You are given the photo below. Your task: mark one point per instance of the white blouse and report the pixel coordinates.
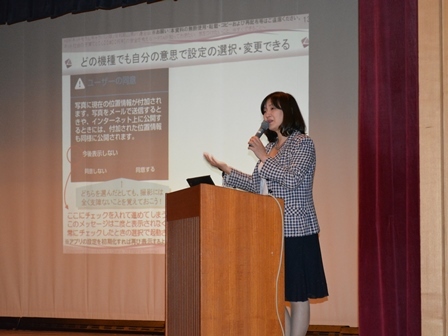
(263, 184)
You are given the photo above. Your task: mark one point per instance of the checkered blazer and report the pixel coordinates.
(289, 175)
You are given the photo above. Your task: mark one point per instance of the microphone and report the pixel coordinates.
(263, 128)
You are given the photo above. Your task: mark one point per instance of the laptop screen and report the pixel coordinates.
(193, 181)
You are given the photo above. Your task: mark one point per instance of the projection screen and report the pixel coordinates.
(127, 100)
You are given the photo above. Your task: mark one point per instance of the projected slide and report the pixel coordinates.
(140, 108)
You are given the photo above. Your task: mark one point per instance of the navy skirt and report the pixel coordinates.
(304, 270)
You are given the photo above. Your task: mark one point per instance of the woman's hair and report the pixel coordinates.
(292, 117)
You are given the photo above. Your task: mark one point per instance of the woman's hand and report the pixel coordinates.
(218, 164)
(256, 146)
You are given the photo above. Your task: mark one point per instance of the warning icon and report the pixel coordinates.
(79, 85)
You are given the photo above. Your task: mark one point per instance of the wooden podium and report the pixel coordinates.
(223, 257)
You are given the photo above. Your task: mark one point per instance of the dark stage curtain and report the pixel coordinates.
(389, 233)
(13, 11)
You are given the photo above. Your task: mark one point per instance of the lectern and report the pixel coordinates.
(224, 266)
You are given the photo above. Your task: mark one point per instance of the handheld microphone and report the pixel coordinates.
(263, 128)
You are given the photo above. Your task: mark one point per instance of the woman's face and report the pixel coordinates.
(273, 115)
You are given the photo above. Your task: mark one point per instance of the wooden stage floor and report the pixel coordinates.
(54, 333)
(313, 331)
(57, 333)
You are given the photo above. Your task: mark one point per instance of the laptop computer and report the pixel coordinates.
(193, 181)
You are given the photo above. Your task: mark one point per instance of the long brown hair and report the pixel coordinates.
(292, 117)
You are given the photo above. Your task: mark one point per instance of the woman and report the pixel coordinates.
(286, 170)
